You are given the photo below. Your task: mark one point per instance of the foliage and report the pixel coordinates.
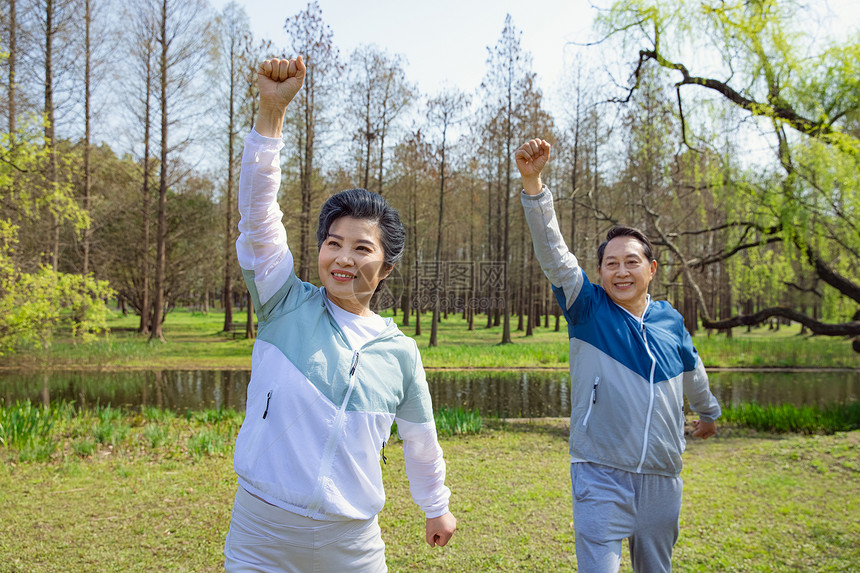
(34, 305)
(786, 418)
(798, 213)
(457, 421)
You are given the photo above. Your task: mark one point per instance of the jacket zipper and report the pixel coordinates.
(650, 398)
(592, 402)
(331, 444)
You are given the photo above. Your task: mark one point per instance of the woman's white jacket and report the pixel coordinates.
(318, 411)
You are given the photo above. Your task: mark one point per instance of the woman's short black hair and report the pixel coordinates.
(622, 231)
(364, 204)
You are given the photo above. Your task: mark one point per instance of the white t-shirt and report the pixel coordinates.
(358, 329)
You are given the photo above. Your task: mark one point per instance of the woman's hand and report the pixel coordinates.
(279, 81)
(440, 529)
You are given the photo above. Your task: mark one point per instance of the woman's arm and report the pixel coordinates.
(262, 244)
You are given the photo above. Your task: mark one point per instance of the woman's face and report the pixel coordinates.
(352, 263)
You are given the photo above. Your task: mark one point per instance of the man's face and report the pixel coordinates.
(625, 273)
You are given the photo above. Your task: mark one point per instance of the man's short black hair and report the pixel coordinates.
(622, 231)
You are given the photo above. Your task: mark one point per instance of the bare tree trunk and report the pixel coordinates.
(88, 178)
(434, 324)
(157, 332)
(145, 305)
(229, 249)
(50, 130)
(12, 61)
(307, 180)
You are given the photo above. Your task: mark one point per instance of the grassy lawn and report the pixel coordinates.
(157, 496)
(195, 341)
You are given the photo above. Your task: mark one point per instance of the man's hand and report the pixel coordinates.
(279, 82)
(531, 159)
(440, 529)
(704, 430)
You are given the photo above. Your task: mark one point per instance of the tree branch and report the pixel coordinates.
(816, 326)
(775, 110)
(831, 277)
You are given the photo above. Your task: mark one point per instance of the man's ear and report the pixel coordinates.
(653, 269)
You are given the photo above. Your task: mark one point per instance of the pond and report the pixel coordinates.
(526, 393)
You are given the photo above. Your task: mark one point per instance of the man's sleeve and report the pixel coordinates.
(558, 263)
(696, 387)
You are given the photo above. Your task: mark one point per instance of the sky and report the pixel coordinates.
(445, 42)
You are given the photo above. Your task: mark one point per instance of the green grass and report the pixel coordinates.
(787, 418)
(195, 341)
(457, 421)
(752, 501)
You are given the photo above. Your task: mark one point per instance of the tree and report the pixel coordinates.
(54, 17)
(806, 93)
(236, 57)
(378, 95)
(445, 111)
(33, 305)
(181, 34)
(141, 86)
(313, 39)
(503, 88)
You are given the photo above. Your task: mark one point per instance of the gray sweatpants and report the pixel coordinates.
(610, 505)
(267, 539)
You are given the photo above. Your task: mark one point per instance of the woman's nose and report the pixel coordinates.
(344, 259)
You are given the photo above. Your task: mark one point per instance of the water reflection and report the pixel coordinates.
(532, 393)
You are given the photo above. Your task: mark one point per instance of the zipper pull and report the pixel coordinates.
(384, 459)
(354, 363)
(268, 397)
(594, 390)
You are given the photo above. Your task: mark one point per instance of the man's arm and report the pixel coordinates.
(557, 262)
(531, 158)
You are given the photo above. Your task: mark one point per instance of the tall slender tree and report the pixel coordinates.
(312, 38)
(182, 30)
(235, 40)
(445, 111)
(503, 87)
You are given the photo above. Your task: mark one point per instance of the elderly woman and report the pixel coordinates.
(328, 376)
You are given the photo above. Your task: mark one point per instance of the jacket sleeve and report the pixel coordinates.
(558, 263)
(262, 250)
(696, 387)
(425, 466)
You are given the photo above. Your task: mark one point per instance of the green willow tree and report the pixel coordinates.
(761, 59)
(35, 304)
